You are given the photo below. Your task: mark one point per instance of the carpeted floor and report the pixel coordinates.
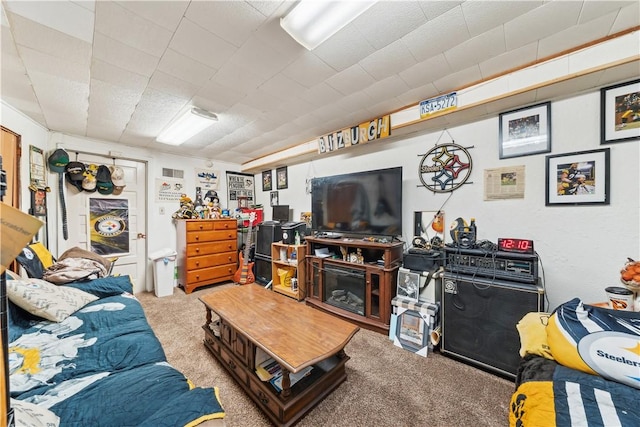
(386, 385)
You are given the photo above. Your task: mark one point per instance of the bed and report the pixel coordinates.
(84, 354)
(580, 367)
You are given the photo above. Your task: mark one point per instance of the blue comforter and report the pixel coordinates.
(103, 365)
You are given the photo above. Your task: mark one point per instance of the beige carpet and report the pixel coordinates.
(386, 385)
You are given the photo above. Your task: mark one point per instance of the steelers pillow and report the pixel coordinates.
(597, 341)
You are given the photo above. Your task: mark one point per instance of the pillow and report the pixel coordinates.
(597, 341)
(27, 414)
(47, 300)
(533, 334)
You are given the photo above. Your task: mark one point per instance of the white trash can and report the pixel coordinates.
(164, 262)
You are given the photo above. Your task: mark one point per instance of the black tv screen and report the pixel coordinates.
(280, 213)
(363, 203)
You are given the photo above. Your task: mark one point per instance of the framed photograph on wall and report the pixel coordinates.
(267, 183)
(580, 178)
(525, 131)
(281, 177)
(274, 198)
(620, 112)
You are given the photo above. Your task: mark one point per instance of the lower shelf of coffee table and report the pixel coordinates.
(282, 410)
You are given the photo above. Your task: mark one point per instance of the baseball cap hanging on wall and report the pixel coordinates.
(58, 161)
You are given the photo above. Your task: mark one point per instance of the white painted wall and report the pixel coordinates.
(581, 248)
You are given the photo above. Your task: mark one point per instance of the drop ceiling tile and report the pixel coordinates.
(480, 48)
(353, 102)
(541, 22)
(345, 48)
(628, 17)
(400, 17)
(387, 88)
(199, 44)
(273, 34)
(262, 100)
(124, 56)
(576, 35)
(456, 81)
(308, 70)
(283, 87)
(223, 95)
(180, 66)
(118, 23)
(110, 73)
(62, 16)
(509, 60)
(418, 94)
(437, 35)
(296, 106)
(233, 21)
(351, 80)
(66, 122)
(238, 78)
(172, 85)
(389, 60)
(41, 62)
(482, 16)
(596, 9)
(320, 94)
(112, 102)
(46, 40)
(103, 129)
(66, 96)
(256, 52)
(267, 7)
(426, 71)
(164, 13)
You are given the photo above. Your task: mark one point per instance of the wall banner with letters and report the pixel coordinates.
(360, 134)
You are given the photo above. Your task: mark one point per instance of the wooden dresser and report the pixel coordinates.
(207, 252)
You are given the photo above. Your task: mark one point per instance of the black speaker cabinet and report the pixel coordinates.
(479, 318)
(262, 269)
(268, 232)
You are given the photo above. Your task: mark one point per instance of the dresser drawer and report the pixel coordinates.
(210, 273)
(267, 399)
(211, 236)
(199, 225)
(213, 260)
(197, 249)
(231, 365)
(227, 224)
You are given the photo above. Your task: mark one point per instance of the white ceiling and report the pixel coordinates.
(120, 71)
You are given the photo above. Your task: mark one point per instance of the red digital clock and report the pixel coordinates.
(522, 246)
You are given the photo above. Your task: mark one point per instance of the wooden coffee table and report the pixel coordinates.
(245, 322)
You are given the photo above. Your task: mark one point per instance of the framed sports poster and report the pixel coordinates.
(240, 186)
(620, 112)
(109, 226)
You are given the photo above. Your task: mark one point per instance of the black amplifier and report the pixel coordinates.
(493, 264)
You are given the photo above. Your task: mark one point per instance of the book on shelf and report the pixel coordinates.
(276, 381)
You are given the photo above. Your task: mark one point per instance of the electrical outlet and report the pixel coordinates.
(161, 210)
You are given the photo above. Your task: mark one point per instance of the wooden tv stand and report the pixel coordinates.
(246, 321)
(373, 281)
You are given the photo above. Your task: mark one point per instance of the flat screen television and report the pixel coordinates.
(363, 203)
(280, 213)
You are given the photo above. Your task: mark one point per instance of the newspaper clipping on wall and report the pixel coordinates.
(504, 183)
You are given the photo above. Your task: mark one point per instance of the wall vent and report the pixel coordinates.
(172, 173)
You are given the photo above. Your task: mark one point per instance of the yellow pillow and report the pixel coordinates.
(533, 334)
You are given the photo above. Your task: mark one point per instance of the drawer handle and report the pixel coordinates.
(200, 226)
(263, 398)
(197, 249)
(197, 237)
(197, 263)
(197, 276)
(231, 364)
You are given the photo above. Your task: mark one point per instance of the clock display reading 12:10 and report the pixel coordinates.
(522, 246)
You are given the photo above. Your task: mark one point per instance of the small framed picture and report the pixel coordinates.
(580, 178)
(267, 184)
(412, 331)
(408, 284)
(525, 131)
(620, 112)
(274, 198)
(281, 177)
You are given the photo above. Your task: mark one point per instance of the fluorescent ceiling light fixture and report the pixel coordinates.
(311, 22)
(193, 121)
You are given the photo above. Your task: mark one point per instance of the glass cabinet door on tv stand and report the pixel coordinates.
(354, 279)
